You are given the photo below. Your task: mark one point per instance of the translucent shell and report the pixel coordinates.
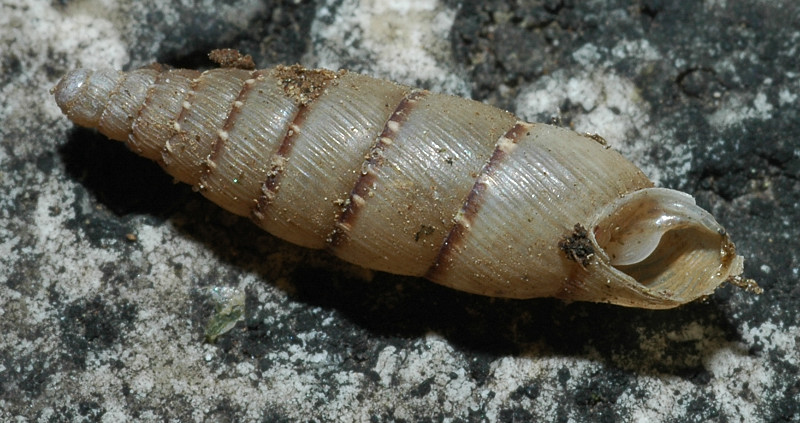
(662, 240)
(416, 183)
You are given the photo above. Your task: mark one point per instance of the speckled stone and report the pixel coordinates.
(107, 268)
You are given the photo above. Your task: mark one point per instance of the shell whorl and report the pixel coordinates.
(412, 182)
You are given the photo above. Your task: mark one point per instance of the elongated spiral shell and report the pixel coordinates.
(415, 183)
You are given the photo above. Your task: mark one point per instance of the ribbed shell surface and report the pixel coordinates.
(382, 175)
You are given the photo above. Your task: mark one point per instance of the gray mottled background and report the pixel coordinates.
(106, 267)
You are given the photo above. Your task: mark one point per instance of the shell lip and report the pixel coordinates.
(657, 246)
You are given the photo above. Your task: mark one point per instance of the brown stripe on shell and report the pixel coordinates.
(115, 92)
(304, 86)
(145, 140)
(166, 151)
(472, 205)
(125, 106)
(269, 189)
(210, 164)
(374, 160)
(132, 142)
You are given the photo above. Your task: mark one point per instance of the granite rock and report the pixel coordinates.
(108, 270)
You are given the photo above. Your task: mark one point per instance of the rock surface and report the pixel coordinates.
(109, 272)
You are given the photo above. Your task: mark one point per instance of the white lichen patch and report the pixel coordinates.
(386, 365)
(738, 380)
(611, 108)
(595, 92)
(77, 272)
(786, 97)
(775, 337)
(611, 105)
(89, 25)
(406, 41)
(90, 31)
(171, 360)
(737, 108)
(510, 373)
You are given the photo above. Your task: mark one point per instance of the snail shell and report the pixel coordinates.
(415, 183)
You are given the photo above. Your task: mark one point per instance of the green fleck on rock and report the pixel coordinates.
(228, 309)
